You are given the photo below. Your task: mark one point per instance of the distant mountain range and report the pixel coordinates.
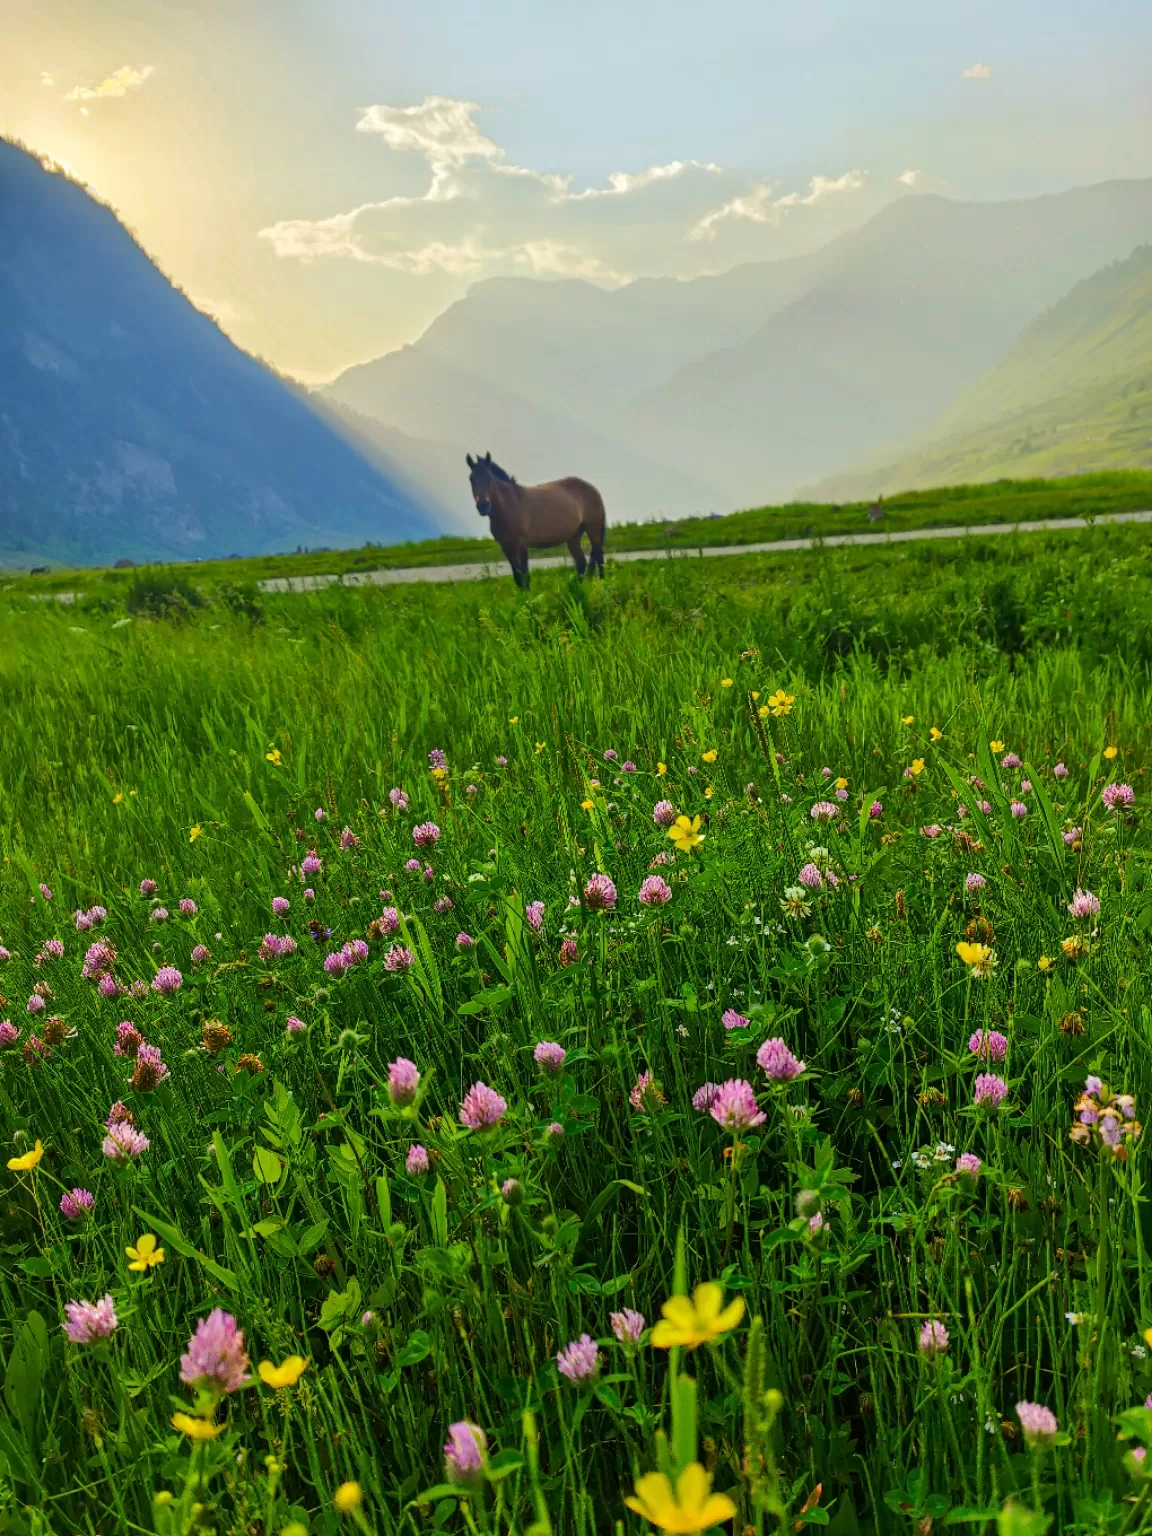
(940, 341)
(130, 426)
(740, 388)
(1073, 393)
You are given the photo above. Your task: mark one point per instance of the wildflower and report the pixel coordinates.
(167, 980)
(549, 1055)
(1117, 796)
(979, 958)
(286, 1374)
(734, 1106)
(194, 832)
(725, 682)
(295, 1026)
(733, 1020)
(989, 1045)
(968, 1163)
(119, 1114)
(699, 1321)
(98, 959)
(1109, 753)
(645, 1094)
(501, 762)
(688, 1506)
(465, 942)
(200, 953)
(90, 1321)
(273, 756)
(188, 907)
(403, 1081)
(811, 878)
(51, 949)
(555, 1131)
(444, 904)
(149, 1071)
(777, 1062)
(76, 1203)
(146, 1255)
(250, 1064)
(875, 810)
(1025, 786)
(932, 832)
(216, 1357)
(824, 811)
(973, 883)
(794, 903)
(1039, 1425)
(195, 1427)
(686, 833)
(426, 835)
(348, 840)
(704, 1097)
(654, 892)
(417, 1161)
(1018, 809)
(580, 1360)
(1110, 1117)
(216, 1037)
(512, 1192)
(661, 770)
(1083, 904)
(483, 1108)
(1010, 760)
(27, 1160)
(569, 954)
(124, 1142)
(1060, 771)
(708, 757)
(464, 1452)
(989, 1091)
(35, 1003)
(780, 703)
(399, 959)
(587, 805)
(600, 894)
(347, 1499)
(534, 915)
(915, 768)
(311, 864)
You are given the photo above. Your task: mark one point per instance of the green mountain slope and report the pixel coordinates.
(1073, 394)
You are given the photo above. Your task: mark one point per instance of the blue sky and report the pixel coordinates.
(240, 139)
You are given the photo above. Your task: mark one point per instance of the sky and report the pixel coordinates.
(326, 176)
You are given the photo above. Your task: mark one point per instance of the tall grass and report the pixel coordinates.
(195, 750)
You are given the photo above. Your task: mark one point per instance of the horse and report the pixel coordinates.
(524, 517)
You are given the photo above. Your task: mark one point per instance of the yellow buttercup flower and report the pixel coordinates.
(287, 1374)
(513, 719)
(907, 719)
(763, 711)
(117, 797)
(540, 745)
(586, 805)
(661, 769)
(194, 832)
(841, 783)
(755, 694)
(686, 834)
(725, 682)
(709, 756)
(195, 1428)
(1110, 752)
(708, 792)
(1045, 963)
(917, 767)
(699, 1321)
(690, 1506)
(273, 756)
(347, 1499)
(997, 746)
(145, 1255)
(780, 703)
(972, 954)
(29, 1160)
(935, 733)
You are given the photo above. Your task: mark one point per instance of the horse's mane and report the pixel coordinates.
(502, 474)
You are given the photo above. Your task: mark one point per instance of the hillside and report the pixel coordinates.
(131, 426)
(1074, 390)
(919, 304)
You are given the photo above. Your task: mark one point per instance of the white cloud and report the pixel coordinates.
(978, 72)
(479, 213)
(223, 311)
(757, 205)
(46, 78)
(909, 178)
(118, 83)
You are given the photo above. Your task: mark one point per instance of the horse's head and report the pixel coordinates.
(483, 476)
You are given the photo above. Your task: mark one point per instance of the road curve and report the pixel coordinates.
(403, 576)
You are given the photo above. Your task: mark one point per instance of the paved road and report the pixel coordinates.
(402, 576)
(405, 576)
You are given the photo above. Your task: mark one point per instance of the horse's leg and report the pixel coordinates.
(577, 550)
(524, 568)
(512, 555)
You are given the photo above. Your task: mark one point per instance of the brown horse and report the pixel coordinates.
(524, 517)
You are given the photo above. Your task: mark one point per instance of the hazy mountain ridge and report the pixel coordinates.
(1073, 391)
(130, 424)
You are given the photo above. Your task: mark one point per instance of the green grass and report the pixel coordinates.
(960, 505)
(281, 1194)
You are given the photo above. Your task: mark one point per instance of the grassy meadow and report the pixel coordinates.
(790, 913)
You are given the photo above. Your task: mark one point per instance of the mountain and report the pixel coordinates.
(420, 394)
(131, 426)
(1073, 392)
(907, 312)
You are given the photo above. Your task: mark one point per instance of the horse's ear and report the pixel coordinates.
(488, 456)
(471, 462)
